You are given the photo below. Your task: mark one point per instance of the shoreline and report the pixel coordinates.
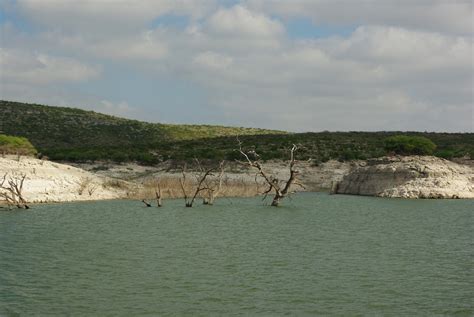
(390, 177)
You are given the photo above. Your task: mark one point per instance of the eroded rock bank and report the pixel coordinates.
(409, 177)
(405, 177)
(47, 181)
(316, 177)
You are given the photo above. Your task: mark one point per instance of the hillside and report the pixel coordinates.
(59, 127)
(67, 134)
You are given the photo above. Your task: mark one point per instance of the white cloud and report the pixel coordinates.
(37, 68)
(393, 45)
(339, 83)
(454, 16)
(107, 16)
(408, 75)
(212, 60)
(239, 21)
(141, 46)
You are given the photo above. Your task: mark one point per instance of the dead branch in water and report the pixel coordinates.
(159, 202)
(11, 190)
(281, 189)
(201, 178)
(213, 183)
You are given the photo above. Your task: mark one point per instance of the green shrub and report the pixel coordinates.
(16, 145)
(446, 154)
(409, 145)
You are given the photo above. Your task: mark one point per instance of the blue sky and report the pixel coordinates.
(294, 65)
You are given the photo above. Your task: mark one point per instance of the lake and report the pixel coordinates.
(315, 255)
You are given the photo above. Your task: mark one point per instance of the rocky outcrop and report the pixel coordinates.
(409, 177)
(47, 181)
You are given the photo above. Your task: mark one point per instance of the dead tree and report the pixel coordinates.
(201, 178)
(157, 194)
(216, 186)
(11, 190)
(213, 185)
(159, 202)
(281, 189)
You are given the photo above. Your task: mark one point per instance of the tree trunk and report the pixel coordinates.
(158, 198)
(273, 183)
(211, 200)
(276, 200)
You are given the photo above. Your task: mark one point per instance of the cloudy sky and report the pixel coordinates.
(299, 65)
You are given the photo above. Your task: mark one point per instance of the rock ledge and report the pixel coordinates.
(409, 177)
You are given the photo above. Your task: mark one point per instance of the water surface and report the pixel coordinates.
(316, 255)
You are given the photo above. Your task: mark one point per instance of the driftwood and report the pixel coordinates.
(281, 189)
(11, 190)
(147, 204)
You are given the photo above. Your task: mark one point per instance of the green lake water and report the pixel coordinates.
(317, 255)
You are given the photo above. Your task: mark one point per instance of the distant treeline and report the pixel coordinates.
(320, 147)
(68, 134)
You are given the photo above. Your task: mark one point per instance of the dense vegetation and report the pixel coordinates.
(409, 145)
(77, 135)
(320, 147)
(16, 145)
(58, 127)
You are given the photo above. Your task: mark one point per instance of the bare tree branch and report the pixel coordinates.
(214, 185)
(11, 190)
(273, 183)
(146, 203)
(182, 182)
(201, 181)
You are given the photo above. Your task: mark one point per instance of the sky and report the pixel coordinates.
(299, 65)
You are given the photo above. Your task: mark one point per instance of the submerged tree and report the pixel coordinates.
(201, 179)
(11, 190)
(280, 188)
(213, 183)
(159, 202)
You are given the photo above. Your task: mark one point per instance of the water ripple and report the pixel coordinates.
(318, 255)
